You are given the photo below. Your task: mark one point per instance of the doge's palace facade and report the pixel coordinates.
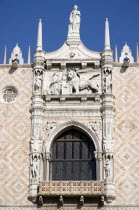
(69, 136)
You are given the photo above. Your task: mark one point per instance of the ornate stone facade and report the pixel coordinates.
(72, 87)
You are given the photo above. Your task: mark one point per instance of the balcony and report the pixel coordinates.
(71, 188)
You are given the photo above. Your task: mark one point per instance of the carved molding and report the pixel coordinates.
(49, 126)
(96, 126)
(72, 114)
(36, 138)
(63, 126)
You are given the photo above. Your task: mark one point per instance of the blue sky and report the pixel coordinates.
(19, 21)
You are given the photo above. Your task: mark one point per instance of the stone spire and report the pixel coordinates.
(107, 36)
(137, 53)
(28, 55)
(39, 39)
(116, 54)
(4, 58)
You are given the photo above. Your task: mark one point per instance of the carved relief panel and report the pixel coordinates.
(72, 81)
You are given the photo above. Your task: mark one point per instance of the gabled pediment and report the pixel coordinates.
(73, 52)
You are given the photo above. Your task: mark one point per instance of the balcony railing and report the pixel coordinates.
(85, 188)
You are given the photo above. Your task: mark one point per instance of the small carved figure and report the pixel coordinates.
(38, 81)
(35, 167)
(75, 20)
(107, 82)
(54, 86)
(107, 169)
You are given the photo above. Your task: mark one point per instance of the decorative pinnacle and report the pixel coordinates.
(28, 55)
(116, 54)
(4, 59)
(107, 35)
(39, 39)
(137, 53)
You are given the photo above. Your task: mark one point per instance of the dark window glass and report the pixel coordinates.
(68, 150)
(73, 157)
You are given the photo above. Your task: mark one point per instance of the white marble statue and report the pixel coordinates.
(35, 167)
(54, 86)
(38, 81)
(107, 169)
(107, 82)
(75, 20)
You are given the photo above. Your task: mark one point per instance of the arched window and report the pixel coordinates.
(73, 157)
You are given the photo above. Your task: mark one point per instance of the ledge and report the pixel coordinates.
(80, 97)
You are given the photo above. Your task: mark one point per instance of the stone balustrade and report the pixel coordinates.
(85, 188)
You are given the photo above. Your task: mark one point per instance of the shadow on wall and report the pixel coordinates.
(12, 70)
(123, 69)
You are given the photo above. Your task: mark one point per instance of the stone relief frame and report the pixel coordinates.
(62, 127)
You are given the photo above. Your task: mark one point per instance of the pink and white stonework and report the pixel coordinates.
(77, 89)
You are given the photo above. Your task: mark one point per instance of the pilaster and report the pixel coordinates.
(108, 126)
(36, 157)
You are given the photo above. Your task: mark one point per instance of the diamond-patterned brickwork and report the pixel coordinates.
(126, 90)
(15, 137)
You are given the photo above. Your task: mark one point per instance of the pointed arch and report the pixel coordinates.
(73, 124)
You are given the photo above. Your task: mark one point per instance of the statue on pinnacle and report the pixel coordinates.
(75, 19)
